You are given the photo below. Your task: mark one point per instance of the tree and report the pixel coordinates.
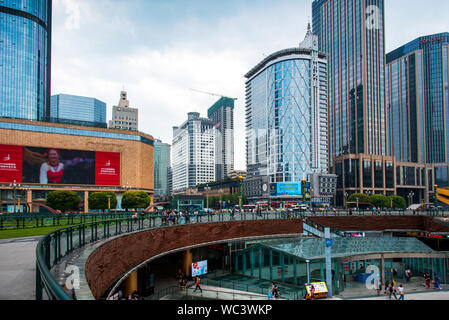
(397, 201)
(135, 200)
(63, 200)
(99, 200)
(361, 197)
(379, 201)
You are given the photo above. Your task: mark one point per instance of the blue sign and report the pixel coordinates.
(329, 242)
(285, 189)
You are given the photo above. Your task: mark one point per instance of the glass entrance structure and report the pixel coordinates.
(303, 260)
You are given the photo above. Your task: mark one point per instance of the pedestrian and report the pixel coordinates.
(312, 293)
(427, 279)
(436, 282)
(387, 286)
(392, 291)
(198, 284)
(276, 292)
(401, 292)
(270, 293)
(379, 286)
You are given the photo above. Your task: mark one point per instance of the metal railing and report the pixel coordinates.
(58, 244)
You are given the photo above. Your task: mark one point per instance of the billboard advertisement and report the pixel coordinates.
(199, 268)
(285, 189)
(58, 166)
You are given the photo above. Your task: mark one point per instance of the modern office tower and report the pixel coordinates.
(351, 33)
(418, 100)
(222, 114)
(78, 110)
(25, 59)
(418, 112)
(124, 117)
(286, 114)
(161, 168)
(193, 153)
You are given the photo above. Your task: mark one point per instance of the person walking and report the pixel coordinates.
(401, 292)
(198, 284)
(392, 291)
(379, 286)
(387, 286)
(436, 282)
(428, 279)
(312, 293)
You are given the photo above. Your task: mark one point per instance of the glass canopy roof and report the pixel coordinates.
(314, 248)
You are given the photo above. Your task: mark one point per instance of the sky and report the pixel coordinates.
(158, 51)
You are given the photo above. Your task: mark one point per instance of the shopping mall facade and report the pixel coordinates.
(94, 159)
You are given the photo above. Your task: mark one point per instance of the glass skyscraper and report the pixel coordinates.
(161, 168)
(25, 55)
(286, 114)
(78, 110)
(418, 100)
(222, 114)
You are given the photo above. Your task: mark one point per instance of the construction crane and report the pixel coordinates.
(213, 94)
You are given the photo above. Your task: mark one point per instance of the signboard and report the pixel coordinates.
(199, 268)
(58, 166)
(321, 290)
(285, 189)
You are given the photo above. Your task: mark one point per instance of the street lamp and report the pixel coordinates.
(206, 189)
(435, 195)
(109, 202)
(346, 199)
(241, 193)
(14, 186)
(410, 196)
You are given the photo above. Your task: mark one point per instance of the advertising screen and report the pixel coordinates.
(199, 268)
(58, 166)
(285, 189)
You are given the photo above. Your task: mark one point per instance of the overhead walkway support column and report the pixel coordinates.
(131, 283)
(187, 262)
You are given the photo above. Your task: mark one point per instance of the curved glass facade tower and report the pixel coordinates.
(25, 55)
(286, 116)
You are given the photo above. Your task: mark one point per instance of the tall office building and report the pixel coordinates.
(222, 114)
(362, 125)
(78, 110)
(193, 153)
(124, 117)
(25, 59)
(418, 112)
(418, 100)
(351, 33)
(286, 114)
(161, 168)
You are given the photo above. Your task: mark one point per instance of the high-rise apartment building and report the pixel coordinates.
(222, 114)
(25, 58)
(286, 114)
(78, 110)
(161, 168)
(193, 153)
(124, 117)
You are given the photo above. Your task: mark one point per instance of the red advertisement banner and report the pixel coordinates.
(107, 169)
(11, 160)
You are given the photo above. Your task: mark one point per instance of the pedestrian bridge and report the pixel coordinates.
(108, 251)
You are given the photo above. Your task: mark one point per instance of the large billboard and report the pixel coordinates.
(58, 166)
(285, 189)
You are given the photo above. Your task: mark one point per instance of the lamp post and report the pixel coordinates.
(14, 186)
(410, 196)
(206, 189)
(346, 199)
(240, 193)
(435, 195)
(109, 202)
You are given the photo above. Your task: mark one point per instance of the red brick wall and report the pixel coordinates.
(115, 257)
